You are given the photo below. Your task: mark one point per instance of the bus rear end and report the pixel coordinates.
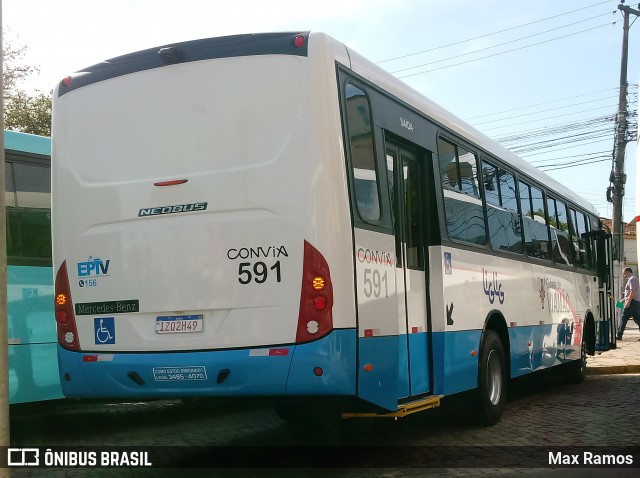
(189, 252)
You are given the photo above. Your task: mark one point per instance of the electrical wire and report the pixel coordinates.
(541, 104)
(506, 51)
(499, 44)
(492, 33)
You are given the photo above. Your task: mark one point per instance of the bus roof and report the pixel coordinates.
(27, 143)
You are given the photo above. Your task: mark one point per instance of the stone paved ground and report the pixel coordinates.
(544, 414)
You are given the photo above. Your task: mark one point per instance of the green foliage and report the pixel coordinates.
(26, 112)
(29, 114)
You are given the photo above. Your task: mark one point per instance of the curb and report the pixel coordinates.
(613, 369)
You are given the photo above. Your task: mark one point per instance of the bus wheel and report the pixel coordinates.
(492, 381)
(576, 371)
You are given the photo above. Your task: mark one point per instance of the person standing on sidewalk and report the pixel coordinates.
(631, 302)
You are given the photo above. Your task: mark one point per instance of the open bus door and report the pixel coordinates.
(606, 322)
(393, 351)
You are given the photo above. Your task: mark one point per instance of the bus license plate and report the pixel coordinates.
(178, 324)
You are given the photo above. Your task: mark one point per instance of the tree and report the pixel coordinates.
(29, 113)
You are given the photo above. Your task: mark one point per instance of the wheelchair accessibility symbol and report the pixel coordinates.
(105, 329)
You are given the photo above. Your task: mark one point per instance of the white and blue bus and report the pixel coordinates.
(273, 215)
(33, 364)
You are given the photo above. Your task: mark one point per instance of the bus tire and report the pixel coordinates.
(491, 395)
(576, 371)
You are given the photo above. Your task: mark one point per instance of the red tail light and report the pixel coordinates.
(315, 319)
(65, 317)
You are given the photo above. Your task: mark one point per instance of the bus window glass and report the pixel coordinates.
(463, 207)
(563, 237)
(580, 245)
(505, 233)
(553, 228)
(536, 234)
(490, 181)
(468, 172)
(29, 224)
(508, 194)
(33, 185)
(362, 154)
(413, 211)
(447, 155)
(10, 192)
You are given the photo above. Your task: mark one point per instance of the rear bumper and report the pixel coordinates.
(269, 371)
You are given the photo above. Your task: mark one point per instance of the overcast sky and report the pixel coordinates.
(487, 61)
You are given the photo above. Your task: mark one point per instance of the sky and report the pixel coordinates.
(541, 77)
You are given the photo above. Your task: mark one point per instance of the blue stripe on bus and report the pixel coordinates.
(458, 370)
(335, 355)
(378, 370)
(413, 380)
(419, 363)
(290, 370)
(539, 347)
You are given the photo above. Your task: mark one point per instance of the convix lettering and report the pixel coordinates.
(375, 257)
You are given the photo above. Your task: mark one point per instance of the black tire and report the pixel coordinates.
(576, 372)
(491, 396)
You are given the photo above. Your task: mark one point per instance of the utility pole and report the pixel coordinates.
(618, 177)
(4, 319)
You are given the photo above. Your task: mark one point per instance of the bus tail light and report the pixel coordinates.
(65, 318)
(315, 318)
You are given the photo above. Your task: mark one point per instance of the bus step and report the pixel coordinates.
(403, 409)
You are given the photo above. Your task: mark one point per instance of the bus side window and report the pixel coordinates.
(505, 232)
(363, 161)
(462, 202)
(536, 234)
(563, 234)
(29, 222)
(580, 245)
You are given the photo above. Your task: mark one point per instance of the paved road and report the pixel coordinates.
(543, 416)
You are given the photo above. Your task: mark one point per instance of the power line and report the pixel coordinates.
(547, 110)
(575, 165)
(498, 45)
(555, 130)
(506, 51)
(548, 118)
(559, 149)
(569, 157)
(491, 34)
(539, 104)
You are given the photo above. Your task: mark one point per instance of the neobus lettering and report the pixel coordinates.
(257, 252)
(155, 211)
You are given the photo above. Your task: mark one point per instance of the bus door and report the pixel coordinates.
(606, 323)
(406, 186)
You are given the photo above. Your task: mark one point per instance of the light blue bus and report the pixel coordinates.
(33, 364)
